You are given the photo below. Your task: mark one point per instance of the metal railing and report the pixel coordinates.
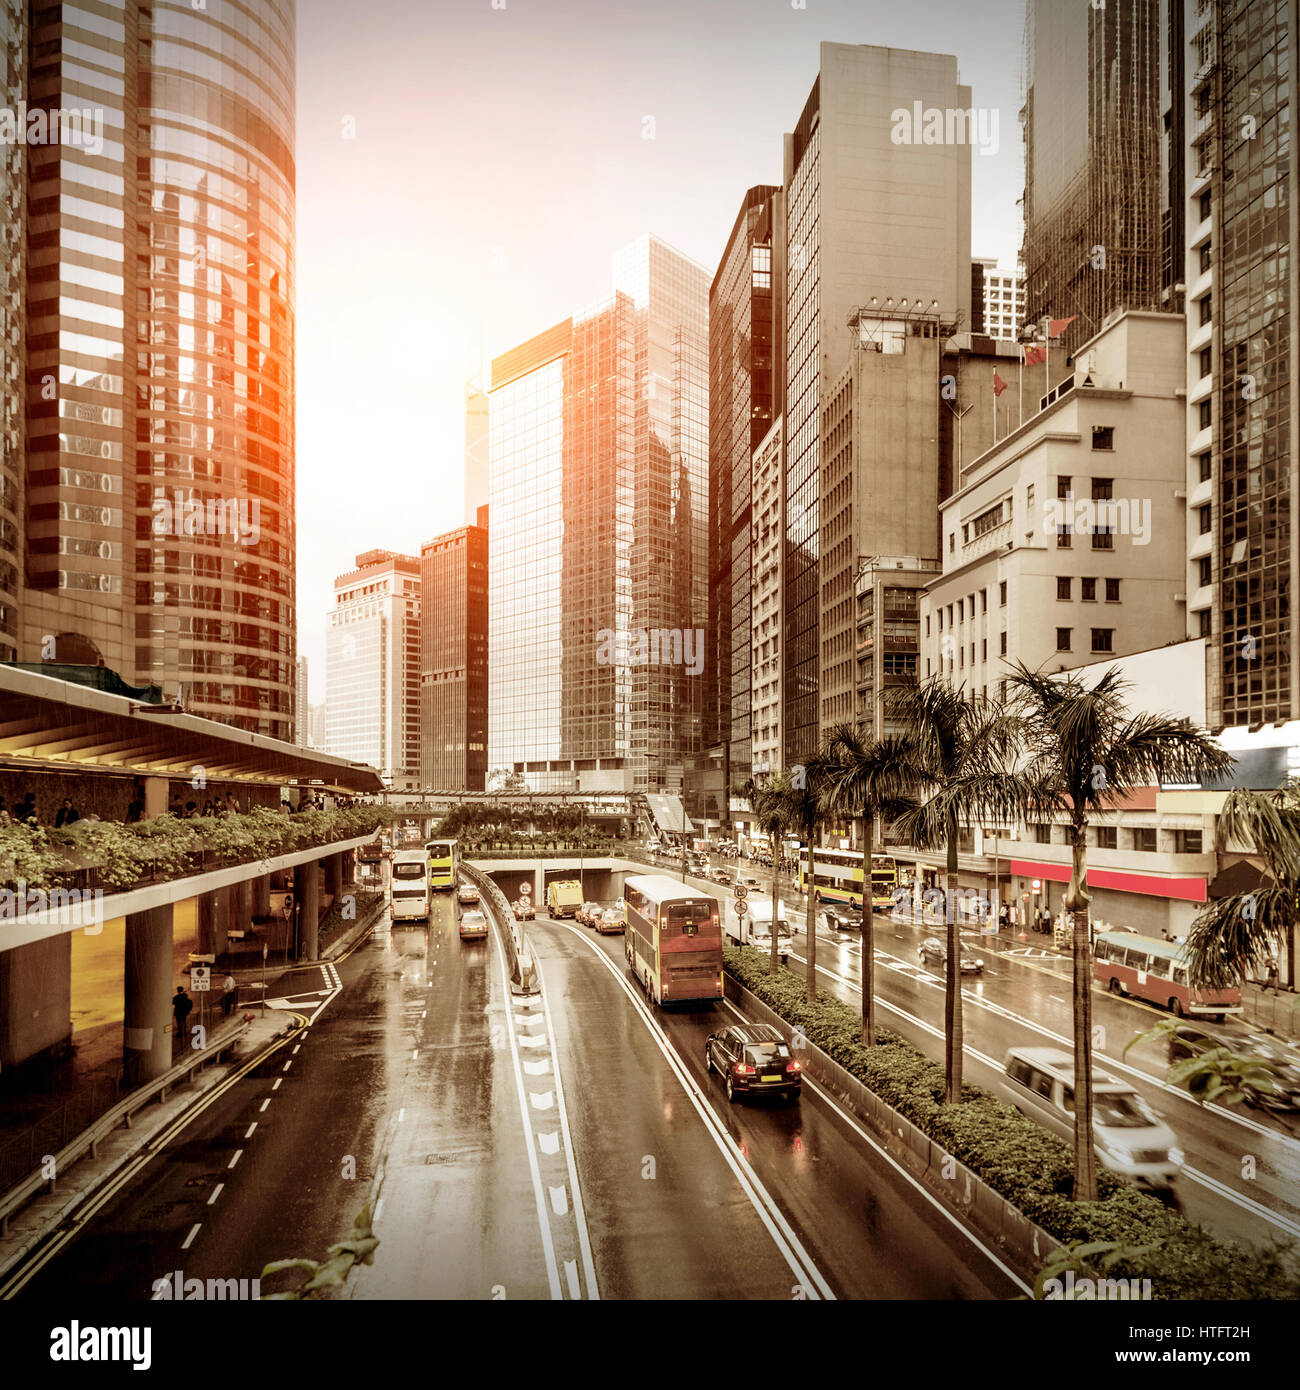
(519, 956)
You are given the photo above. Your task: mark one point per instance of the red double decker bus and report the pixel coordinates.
(1156, 970)
(673, 941)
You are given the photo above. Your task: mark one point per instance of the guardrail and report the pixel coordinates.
(121, 1114)
(523, 972)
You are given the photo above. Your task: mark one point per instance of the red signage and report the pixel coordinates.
(1187, 889)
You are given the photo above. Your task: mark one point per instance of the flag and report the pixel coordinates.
(1034, 355)
(998, 385)
(1058, 326)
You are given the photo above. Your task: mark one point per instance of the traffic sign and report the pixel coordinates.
(740, 891)
(201, 978)
(525, 889)
(288, 902)
(741, 906)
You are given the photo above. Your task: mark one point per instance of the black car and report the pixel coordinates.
(934, 952)
(1189, 1041)
(754, 1060)
(842, 917)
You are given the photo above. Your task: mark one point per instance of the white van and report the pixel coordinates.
(1131, 1139)
(754, 928)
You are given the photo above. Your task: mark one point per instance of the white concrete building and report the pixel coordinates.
(765, 624)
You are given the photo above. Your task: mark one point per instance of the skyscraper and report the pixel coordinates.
(302, 709)
(743, 352)
(871, 209)
(159, 506)
(598, 572)
(453, 659)
(372, 666)
(1092, 151)
(13, 178)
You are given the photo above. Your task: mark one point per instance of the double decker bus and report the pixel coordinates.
(408, 887)
(1145, 968)
(839, 877)
(444, 864)
(673, 941)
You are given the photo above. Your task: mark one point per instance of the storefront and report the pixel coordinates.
(1151, 904)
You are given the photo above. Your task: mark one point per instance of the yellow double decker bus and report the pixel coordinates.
(839, 877)
(444, 864)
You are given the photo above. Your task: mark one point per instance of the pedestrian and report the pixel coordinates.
(1271, 975)
(191, 810)
(26, 810)
(135, 807)
(176, 808)
(181, 1006)
(67, 814)
(228, 995)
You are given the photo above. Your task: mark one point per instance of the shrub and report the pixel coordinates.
(1028, 1166)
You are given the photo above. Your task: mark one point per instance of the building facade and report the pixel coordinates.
(301, 706)
(853, 160)
(743, 351)
(767, 511)
(598, 570)
(888, 592)
(1003, 299)
(13, 254)
(372, 666)
(454, 659)
(159, 489)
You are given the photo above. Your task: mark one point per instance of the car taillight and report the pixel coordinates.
(795, 1066)
(743, 1069)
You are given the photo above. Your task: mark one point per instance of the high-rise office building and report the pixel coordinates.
(454, 659)
(856, 157)
(13, 250)
(158, 509)
(476, 449)
(598, 572)
(1091, 123)
(1239, 272)
(301, 707)
(743, 353)
(1002, 301)
(372, 666)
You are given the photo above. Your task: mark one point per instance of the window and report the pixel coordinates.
(1029, 499)
(1205, 623)
(1103, 539)
(1063, 486)
(961, 610)
(1203, 517)
(1063, 586)
(941, 620)
(1089, 587)
(952, 542)
(1206, 417)
(1062, 639)
(1102, 639)
(1205, 204)
(1112, 591)
(1042, 834)
(1207, 361)
(965, 533)
(1206, 466)
(984, 600)
(984, 648)
(1002, 645)
(1063, 538)
(1187, 842)
(1103, 437)
(927, 623)
(1002, 594)
(1144, 839)
(1203, 571)
(1206, 316)
(1107, 837)
(972, 653)
(987, 520)
(1207, 257)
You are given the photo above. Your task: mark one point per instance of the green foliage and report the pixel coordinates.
(26, 855)
(1215, 1072)
(357, 1247)
(1033, 1169)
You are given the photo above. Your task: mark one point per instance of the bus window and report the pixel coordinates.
(1180, 974)
(1136, 959)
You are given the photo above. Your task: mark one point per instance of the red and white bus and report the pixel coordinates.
(673, 941)
(1156, 970)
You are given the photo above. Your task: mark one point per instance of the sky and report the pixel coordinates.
(465, 171)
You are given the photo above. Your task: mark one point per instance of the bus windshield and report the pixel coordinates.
(692, 919)
(408, 870)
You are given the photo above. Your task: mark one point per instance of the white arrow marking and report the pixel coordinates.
(539, 1068)
(559, 1200)
(544, 1101)
(533, 1042)
(549, 1142)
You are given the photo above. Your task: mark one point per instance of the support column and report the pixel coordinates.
(36, 1000)
(147, 1013)
(155, 797)
(241, 906)
(261, 896)
(349, 866)
(334, 874)
(306, 892)
(214, 921)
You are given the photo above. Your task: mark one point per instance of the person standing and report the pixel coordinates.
(181, 1006)
(1271, 977)
(228, 991)
(67, 814)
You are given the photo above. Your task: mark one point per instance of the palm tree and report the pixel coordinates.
(865, 779)
(769, 800)
(1239, 931)
(808, 814)
(1087, 754)
(957, 749)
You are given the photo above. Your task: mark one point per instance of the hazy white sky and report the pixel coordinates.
(496, 159)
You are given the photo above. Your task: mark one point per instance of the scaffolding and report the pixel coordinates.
(1096, 246)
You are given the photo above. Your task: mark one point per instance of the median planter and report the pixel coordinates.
(1011, 1178)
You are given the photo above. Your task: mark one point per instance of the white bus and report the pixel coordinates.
(409, 885)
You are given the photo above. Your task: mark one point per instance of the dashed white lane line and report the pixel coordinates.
(571, 1274)
(288, 1064)
(248, 1133)
(216, 1192)
(235, 1157)
(415, 1054)
(296, 1047)
(401, 1115)
(263, 1105)
(194, 1230)
(559, 1200)
(548, 1142)
(275, 1085)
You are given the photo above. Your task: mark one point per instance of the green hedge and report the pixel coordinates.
(1025, 1164)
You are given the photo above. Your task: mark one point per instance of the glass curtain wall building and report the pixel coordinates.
(13, 178)
(598, 547)
(160, 486)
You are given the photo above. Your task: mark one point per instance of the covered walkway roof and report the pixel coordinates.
(50, 725)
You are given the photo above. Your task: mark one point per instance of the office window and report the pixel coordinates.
(1205, 312)
(1042, 833)
(1206, 623)
(1063, 485)
(1205, 415)
(1102, 639)
(941, 620)
(927, 623)
(1144, 838)
(1206, 466)
(972, 653)
(1112, 591)
(1203, 518)
(1063, 586)
(984, 649)
(961, 610)
(1207, 361)
(1063, 538)
(952, 542)
(984, 600)
(1187, 842)
(1089, 590)
(1002, 686)
(1203, 571)
(1029, 499)
(965, 533)
(1002, 646)
(1207, 256)
(1103, 437)
(1107, 837)
(951, 624)
(1002, 594)
(1205, 204)
(1062, 639)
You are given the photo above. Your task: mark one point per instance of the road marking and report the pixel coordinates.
(544, 1101)
(401, 1115)
(216, 1192)
(275, 1085)
(248, 1133)
(379, 1206)
(559, 1200)
(194, 1230)
(538, 1068)
(263, 1105)
(549, 1142)
(296, 1048)
(571, 1274)
(235, 1158)
(288, 1064)
(1248, 1202)
(538, 1040)
(415, 1054)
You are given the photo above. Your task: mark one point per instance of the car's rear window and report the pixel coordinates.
(763, 1054)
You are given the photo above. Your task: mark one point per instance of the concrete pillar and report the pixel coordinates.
(306, 893)
(241, 905)
(334, 874)
(35, 999)
(147, 1013)
(214, 921)
(262, 896)
(155, 797)
(349, 866)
